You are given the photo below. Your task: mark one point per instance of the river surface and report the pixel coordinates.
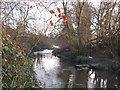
(53, 72)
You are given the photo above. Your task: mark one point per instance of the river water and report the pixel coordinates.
(53, 72)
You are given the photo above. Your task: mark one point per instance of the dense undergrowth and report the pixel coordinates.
(17, 67)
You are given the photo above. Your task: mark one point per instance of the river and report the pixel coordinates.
(53, 72)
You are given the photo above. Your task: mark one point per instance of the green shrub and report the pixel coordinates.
(82, 59)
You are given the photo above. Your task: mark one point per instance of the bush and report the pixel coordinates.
(82, 59)
(17, 69)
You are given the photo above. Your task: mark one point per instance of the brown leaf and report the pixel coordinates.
(58, 9)
(51, 11)
(51, 23)
(30, 7)
(64, 19)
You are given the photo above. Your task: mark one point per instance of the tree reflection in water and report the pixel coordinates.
(93, 81)
(47, 71)
(53, 72)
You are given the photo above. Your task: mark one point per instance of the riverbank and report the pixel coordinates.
(62, 74)
(105, 63)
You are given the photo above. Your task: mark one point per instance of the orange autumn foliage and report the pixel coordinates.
(30, 7)
(51, 23)
(58, 9)
(51, 11)
(59, 15)
(64, 19)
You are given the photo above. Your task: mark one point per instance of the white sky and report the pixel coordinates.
(43, 15)
(46, 15)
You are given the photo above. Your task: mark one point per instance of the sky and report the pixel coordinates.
(42, 15)
(47, 16)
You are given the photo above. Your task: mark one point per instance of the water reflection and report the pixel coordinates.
(71, 80)
(52, 72)
(47, 69)
(93, 81)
